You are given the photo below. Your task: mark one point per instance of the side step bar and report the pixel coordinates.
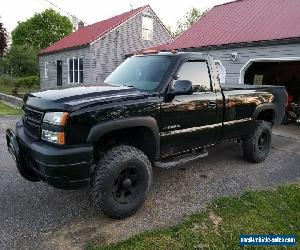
(181, 160)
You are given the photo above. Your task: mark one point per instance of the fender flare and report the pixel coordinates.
(101, 129)
(262, 107)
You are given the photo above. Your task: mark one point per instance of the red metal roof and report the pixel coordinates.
(91, 32)
(242, 21)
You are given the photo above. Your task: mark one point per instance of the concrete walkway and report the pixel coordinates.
(289, 131)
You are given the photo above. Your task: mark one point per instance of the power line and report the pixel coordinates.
(74, 18)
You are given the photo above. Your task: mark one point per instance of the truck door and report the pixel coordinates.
(190, 121)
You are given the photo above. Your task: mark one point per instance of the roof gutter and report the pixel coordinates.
(244, 44)
(64, 49)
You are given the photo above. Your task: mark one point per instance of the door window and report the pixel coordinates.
(196, 72)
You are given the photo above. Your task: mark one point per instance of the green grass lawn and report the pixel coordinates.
(7, 110)
(220, 225)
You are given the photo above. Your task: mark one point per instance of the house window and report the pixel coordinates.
(75, 70)
(147, 28)
(46, 69)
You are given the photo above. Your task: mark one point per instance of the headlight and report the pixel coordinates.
(54, 137)
(56, 118)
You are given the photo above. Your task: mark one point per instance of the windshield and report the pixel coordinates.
(141, 72)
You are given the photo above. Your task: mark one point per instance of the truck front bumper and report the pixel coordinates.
(61, 167)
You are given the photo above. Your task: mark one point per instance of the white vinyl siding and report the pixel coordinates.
(246, 53)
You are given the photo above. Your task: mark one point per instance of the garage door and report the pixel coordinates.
(276, 73)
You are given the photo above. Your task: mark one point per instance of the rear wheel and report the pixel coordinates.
(257, 145)
(121, 181)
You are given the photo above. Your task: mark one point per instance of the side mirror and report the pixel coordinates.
(182, 87)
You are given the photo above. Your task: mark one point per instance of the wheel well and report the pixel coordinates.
(140, 137)
(267, 115)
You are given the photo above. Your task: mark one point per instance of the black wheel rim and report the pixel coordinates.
(127, 185)
(263, 142)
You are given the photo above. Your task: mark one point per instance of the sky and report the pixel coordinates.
(91, 11)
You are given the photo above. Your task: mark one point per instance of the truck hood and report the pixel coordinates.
(76, 97)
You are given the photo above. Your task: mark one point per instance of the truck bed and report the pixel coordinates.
(279, 93)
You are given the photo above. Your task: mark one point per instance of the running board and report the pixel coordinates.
(181, 160)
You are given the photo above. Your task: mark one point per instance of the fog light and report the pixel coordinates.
(54, 137)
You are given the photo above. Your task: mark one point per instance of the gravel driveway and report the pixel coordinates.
(37, 216)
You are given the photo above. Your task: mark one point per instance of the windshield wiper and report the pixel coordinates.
(121, 85)
(128, 85)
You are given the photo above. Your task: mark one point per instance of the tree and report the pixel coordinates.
(3, 40)
(21, 60)
(42, 29)
(189, 18)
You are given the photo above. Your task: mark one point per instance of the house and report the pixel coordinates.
(252, 41)
(91, 53)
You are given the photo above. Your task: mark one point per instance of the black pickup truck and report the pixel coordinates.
(154, 110)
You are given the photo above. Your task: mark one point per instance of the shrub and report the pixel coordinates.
(29, 82)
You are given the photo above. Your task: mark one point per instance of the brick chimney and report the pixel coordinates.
(80, 25)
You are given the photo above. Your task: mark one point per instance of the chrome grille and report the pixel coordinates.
(32, 120)
(33, 115)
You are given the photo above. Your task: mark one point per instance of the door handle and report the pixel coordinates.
(211, 104)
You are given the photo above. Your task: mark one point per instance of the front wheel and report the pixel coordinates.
(257, 144)
(121, 181)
